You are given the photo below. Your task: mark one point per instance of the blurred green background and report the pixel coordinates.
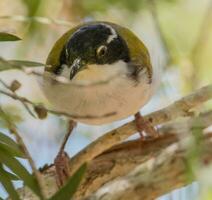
(176, 32)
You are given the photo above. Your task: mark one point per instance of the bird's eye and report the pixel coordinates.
(101, 51)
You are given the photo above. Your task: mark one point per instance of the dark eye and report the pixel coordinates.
(101, 51)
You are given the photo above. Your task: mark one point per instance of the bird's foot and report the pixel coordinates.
(144, 126)
(61, 164)
(61, 161)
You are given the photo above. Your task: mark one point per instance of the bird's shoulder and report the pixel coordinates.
(53, 59)
(139, 55)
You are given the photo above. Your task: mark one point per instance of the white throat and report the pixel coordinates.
(96, 73)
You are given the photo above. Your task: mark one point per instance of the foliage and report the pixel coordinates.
(6, 182)
(67, 192)
(9, 150)
(17, 64)
(5, 37)
(13, 113)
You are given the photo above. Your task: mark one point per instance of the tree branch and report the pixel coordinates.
(25, 100)
(148, 156)
(123, 158)
(12, 128)
(179, 108)
(155, 177)
(24, 103)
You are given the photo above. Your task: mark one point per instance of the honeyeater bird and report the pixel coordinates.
(107, 69)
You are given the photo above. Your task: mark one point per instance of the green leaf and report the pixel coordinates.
(5, 37)
(10, 146)
(7, 184)
(11, 176)
(67, 191)
(5, 65)
(26, 63)
(17, 64)
(12, 151)
(17, 168)
(7, 140)
(11, 113)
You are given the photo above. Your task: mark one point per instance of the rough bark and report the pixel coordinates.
(139, 167)
(180, 108)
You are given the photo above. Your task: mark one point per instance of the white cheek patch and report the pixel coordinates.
(65, 71)
(113, 34)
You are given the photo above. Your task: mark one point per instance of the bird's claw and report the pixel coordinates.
(145, 126)
(61, 163)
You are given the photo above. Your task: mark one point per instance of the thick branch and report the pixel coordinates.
(155, 177)
(123, 158)
(179, 108)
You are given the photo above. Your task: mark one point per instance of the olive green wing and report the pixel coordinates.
(53, 59)
(138, 51)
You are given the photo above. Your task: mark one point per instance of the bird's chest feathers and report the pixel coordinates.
(121, 95)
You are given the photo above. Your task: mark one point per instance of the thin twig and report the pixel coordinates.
(38, 19)
(13, 129)
(24, 104)
(23, 99)
(9, 65)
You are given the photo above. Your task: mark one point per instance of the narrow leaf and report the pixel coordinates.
(11, 176)
(7, 140)
(4, 37)
(67, 192)
(17, 168)
(8, 144)
(26, 63)
(7, 184)
(12, 151)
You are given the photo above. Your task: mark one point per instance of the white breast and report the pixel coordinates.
(113, 91)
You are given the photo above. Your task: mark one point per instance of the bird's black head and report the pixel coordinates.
(93, 44)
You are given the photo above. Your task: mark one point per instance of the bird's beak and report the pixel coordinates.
(76, 67)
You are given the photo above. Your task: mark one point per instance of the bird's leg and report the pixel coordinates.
(145, 126)
(61, 161)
